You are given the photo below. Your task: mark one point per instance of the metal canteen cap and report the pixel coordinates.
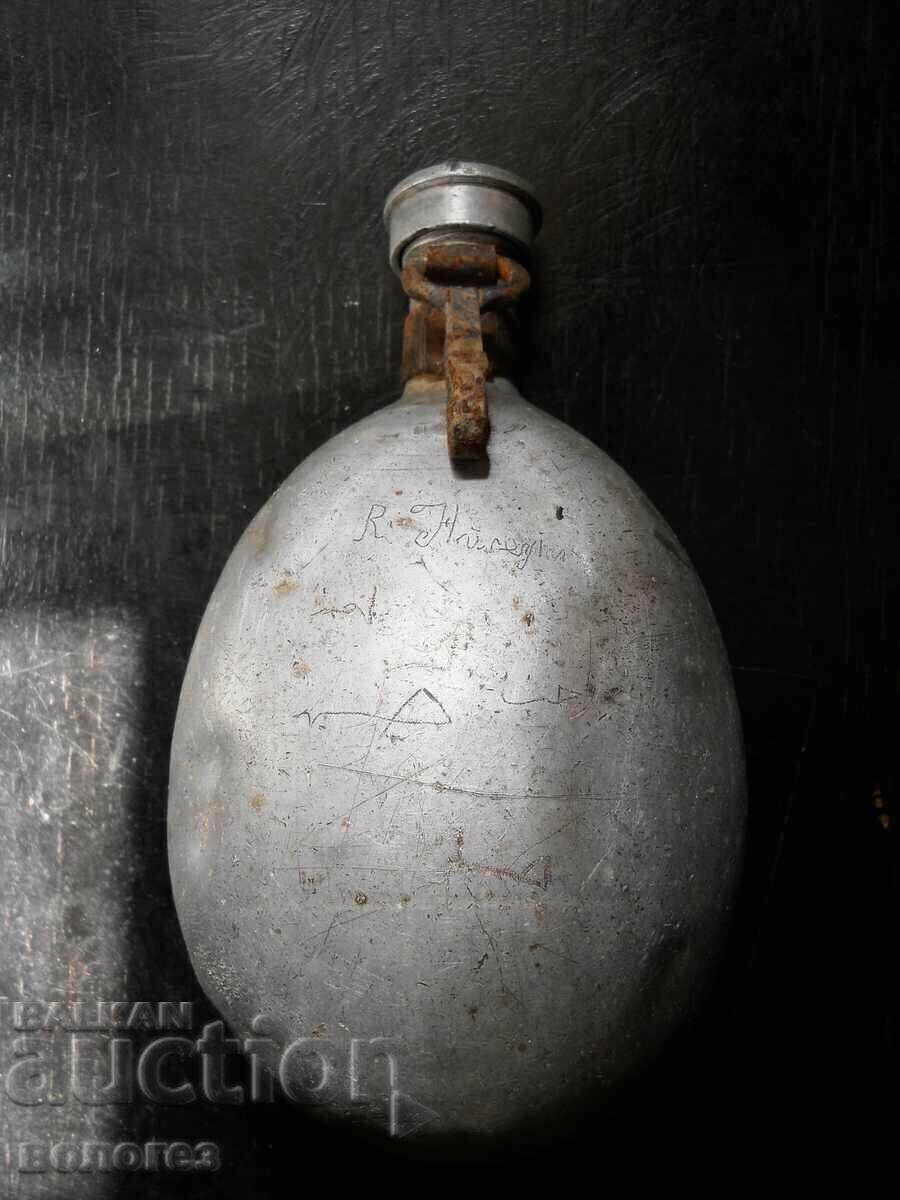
(461, 198)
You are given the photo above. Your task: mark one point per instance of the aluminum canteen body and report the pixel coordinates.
(457, 786)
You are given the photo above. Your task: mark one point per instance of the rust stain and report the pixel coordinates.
(259, 536)
(257, 801)
(208, 819)
(286, 585)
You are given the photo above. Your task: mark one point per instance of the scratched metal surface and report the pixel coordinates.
(193, 295)
(458, 769)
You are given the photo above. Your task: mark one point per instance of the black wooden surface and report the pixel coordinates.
(194, 294)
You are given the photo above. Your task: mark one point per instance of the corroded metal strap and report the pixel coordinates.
(462, 280)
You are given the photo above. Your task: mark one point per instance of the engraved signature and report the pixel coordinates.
(441, 522)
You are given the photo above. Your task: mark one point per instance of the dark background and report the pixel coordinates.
(194, 294)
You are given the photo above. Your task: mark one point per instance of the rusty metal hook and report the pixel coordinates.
(466, 279)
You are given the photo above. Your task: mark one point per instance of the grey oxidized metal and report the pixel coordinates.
(457, 781)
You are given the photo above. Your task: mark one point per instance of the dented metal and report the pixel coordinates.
(457, 790)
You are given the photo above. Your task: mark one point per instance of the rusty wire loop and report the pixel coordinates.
(466, 280)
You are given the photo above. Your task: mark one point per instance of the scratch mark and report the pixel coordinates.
(459, 864)
(490, 942)
(554, 834)
(562, 696)
(396, 781)
(420, 562)
(437, 786)
(368, 615)
(396, 719)
(11, 673)
(596, 867)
